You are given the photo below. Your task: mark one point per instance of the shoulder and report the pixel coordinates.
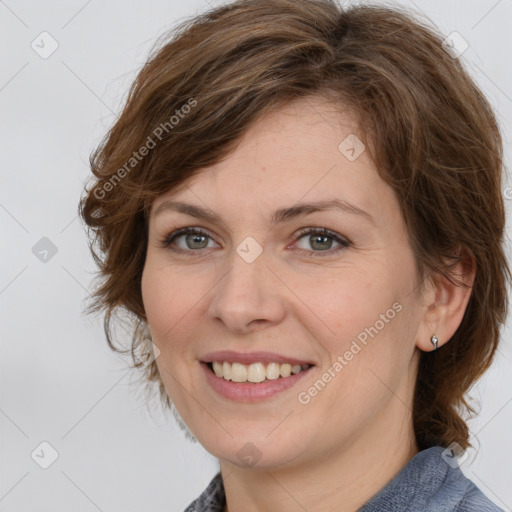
(431, 481)
(454, 492)
(474, 500)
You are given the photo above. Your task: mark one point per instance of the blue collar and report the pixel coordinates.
(430, 482)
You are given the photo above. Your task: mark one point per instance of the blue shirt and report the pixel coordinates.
(427, 483)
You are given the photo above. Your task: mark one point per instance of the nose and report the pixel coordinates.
(248, 297)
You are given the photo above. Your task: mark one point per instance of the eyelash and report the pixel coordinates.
(344, 243)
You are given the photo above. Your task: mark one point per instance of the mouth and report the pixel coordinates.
(250, 377)
(255, 372)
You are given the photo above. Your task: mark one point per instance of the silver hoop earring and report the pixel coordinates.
(434, 341)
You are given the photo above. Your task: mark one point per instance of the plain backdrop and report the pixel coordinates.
(59, 382)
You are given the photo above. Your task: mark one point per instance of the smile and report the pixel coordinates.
(261, 387)
(255, 372)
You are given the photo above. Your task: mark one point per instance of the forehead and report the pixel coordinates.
(309, 149)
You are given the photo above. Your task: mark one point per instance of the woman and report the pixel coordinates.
(300, 207)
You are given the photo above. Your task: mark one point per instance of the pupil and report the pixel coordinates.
(324, 237)
(195, 238)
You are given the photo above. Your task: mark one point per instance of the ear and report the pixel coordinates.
(445, 303)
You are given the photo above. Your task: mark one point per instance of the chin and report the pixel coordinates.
(254, 451)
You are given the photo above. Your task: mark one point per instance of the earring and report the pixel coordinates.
(434, 340)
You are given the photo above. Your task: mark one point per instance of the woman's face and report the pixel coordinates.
(266, 288)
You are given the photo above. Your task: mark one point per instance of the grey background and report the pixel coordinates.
(59, 382)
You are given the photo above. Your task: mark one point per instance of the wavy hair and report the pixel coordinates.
(434, 140)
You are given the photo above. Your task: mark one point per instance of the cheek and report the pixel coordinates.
(166, 296)
(342, 308)
(175, 303)
(365, 320)
(169, 312)
(152, 294)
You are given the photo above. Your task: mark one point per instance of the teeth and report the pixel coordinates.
(273, 371)
(286, 370)
(255, 372)
(238, 372)
(226, 371)
(217, 368)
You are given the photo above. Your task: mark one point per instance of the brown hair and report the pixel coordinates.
(434, 136)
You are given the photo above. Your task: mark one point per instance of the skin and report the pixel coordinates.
(354, 436)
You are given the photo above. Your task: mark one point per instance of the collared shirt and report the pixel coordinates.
(427, 483)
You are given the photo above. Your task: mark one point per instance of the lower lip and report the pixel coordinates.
(248, 392)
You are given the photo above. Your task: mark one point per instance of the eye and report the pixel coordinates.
(194, 240)
(321, 240)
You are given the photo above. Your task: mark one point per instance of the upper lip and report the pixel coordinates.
(251, 357)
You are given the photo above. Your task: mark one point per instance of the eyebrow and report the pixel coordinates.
(276, 217)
